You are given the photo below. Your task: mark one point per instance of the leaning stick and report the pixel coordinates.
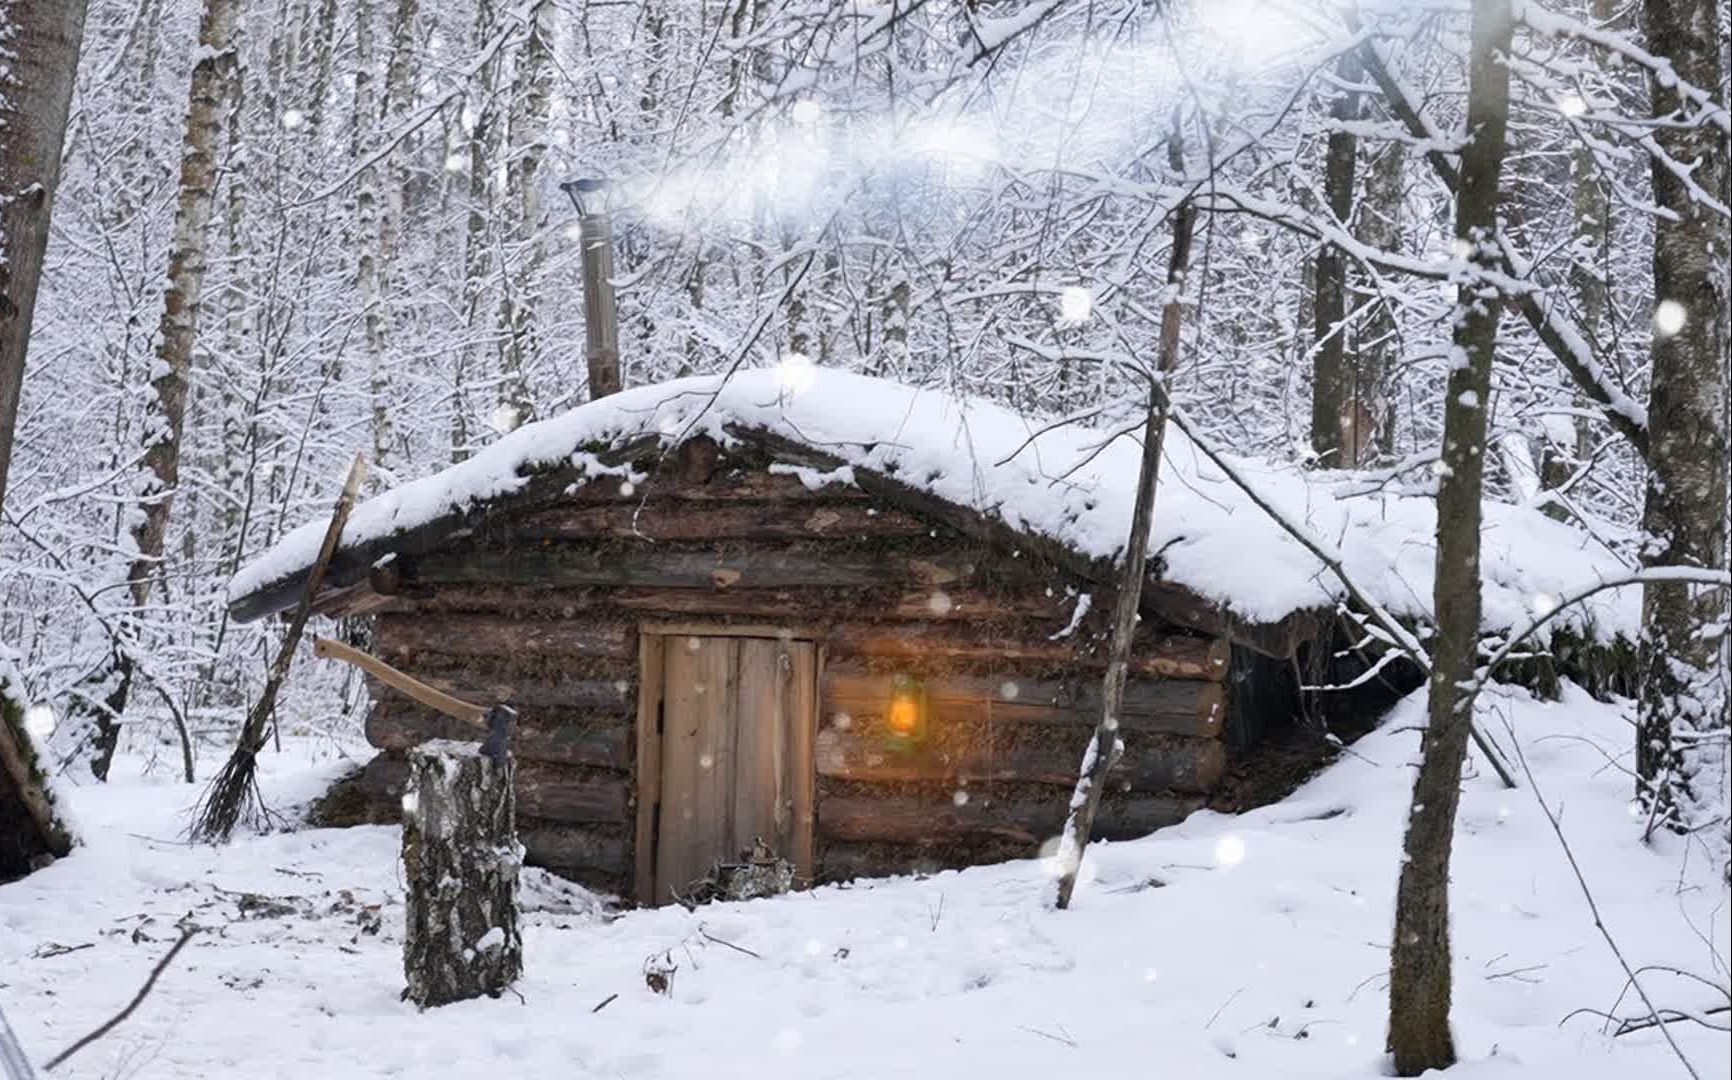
(230, 792)
(456, 708)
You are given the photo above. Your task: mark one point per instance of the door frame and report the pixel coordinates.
(652, 636)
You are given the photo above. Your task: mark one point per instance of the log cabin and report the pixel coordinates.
(861, 623)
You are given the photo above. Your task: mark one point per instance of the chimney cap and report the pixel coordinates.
(584, 185)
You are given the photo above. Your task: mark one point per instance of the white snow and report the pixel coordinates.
(1264, 934)
(1072, 482)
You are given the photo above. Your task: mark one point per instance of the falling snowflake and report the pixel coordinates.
(293, 118)
(806, 112)
(1229, 850)
(939, 603)
(796, 372)
(1572, 105)
(1075, 304)
(39, 721)
(1669, 318)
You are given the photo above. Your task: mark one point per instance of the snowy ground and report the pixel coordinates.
(1250, 947)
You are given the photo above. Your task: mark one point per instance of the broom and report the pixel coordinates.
(234, 793)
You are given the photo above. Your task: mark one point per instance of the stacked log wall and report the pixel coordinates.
(541, 607)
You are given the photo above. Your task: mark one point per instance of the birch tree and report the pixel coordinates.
(522, 212)
(94, 719)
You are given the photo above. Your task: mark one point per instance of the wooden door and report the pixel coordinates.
(737, 716)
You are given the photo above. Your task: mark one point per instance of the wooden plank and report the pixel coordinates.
(698, 731)
(405, 636)
(1151, 764)
(567, 565)
(910, 819)
(537, 734)
(761, 803)
(649, 766)
(807, 662)
(1173, 656)
(663, 520)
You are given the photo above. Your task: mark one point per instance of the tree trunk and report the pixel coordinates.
(399, 96)
(1378, 345)
(370, 232)
(1684, 691)
(95, 713)
(483, 152)
(35, 95)
(460, 864)
(1104, 745)
(1419, 980)
(528, 134)
(1330, 391)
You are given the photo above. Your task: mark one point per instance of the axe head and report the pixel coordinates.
(498, 742)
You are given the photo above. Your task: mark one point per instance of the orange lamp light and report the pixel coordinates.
(906, 714)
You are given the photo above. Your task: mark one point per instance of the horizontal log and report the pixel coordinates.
(476, 686)
(748, 483)
(544, 791)
(1197, 709)
(821, 605)
(537, 735)
(912, 819)
(502, 635)
(1183, 699)
(565, 565)
(663, 520)
(1151, 763)
(1173, 656)
(597, 848)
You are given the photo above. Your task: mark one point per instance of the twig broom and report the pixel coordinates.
(234, 793)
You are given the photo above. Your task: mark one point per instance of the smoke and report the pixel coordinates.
(1087, 98)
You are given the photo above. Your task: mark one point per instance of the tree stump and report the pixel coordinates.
(460, 864)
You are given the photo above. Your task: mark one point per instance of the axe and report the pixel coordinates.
(494, 719)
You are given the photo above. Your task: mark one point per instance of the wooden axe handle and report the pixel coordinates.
(326, 649)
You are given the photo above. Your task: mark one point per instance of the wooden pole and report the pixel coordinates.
(1104, 746)
(600, 313)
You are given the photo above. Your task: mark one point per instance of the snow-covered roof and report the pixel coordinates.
(1069, 483)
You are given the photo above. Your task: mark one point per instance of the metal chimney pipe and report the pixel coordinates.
(600, 312)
